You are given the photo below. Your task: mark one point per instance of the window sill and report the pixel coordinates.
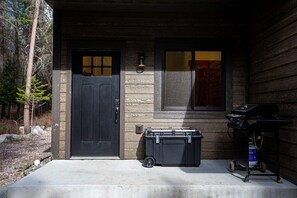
(189, 114)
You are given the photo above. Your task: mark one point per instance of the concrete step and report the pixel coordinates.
(128, 178)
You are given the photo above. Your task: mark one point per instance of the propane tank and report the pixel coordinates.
(252, 154)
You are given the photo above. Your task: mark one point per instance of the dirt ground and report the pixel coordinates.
(17, 157)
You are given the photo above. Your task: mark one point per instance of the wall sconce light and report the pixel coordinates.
(140, 66)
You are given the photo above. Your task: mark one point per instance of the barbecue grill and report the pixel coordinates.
(249, 123)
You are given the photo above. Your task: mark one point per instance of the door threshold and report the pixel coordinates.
(94, 158)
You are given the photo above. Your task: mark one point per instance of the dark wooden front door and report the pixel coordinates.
(95, 103)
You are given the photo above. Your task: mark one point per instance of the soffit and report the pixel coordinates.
(145, 5)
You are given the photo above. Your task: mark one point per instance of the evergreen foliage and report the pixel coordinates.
(8, 85)
(37, 95)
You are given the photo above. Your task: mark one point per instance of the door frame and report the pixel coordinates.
(94, 45)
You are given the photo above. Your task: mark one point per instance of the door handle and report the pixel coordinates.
(117, 110)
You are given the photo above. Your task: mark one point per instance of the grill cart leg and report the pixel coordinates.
(277, 172)
(262, 167)
(247, 177)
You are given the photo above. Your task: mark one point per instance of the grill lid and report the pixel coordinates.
(256, 115)
(256, 110)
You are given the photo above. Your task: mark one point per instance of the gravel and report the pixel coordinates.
(17, 157)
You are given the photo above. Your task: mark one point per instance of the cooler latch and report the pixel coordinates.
(189, 139)
(157, 139)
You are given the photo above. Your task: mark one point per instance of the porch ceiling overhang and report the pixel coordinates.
(136, 5)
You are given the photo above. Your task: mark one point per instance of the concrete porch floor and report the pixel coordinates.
(127, 178)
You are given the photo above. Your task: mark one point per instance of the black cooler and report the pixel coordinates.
(172, 147)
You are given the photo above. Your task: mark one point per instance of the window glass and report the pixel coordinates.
(208, 78)
(192, 80)
(97, 65)
(178, 78)
(107, 71)
(97, 61)
(107, 61)
(97, 72)
(87, 71)
(87, 60)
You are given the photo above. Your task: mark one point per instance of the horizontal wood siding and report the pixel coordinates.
(273, 73)
(139, 31)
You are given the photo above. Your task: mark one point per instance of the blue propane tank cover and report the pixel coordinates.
(252, 156)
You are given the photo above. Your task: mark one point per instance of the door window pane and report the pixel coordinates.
(97, 60)
(87, 61)
(97, 65)
(97, 71)
(107, 61)
(107, 71)
(87, 71)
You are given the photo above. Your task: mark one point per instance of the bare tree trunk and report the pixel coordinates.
(18, 110)
(3, 111)
(30, 68)
(9, 110)
(2, 42)
(32, 112)
(2, 52)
